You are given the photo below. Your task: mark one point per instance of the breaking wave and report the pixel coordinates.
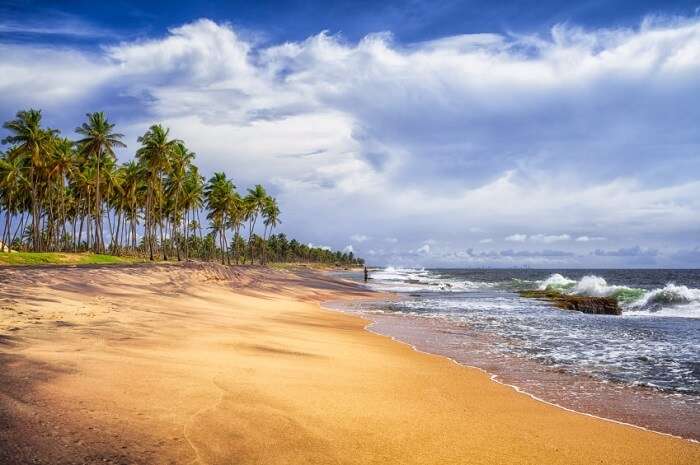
(396, 279)
(671, 300)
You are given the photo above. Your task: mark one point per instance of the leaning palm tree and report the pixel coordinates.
(35, 144)
(154, 159)
(98, 144)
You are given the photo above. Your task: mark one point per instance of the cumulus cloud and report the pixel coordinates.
(635, 251)
(348, 248)
(424, 249)
(487, 240)
(359, 238)
(535, 253)
(323, 247)
(589, 238)
(548, 239)
(582, 131)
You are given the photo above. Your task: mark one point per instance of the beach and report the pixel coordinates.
(205, 364)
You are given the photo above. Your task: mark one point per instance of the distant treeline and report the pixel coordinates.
(56, 194)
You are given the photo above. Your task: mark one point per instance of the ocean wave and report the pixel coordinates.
(671, 294)
(671, 300)
(556, 282)
(395, 279)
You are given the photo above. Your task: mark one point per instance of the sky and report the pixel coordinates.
(413, 133)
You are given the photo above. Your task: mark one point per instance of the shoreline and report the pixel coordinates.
(495, 378)
(207, 364)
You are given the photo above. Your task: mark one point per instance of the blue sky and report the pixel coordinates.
(414, 133)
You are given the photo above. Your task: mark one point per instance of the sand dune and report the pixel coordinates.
(209, 365)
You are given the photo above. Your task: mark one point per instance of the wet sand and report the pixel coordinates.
(210, 365)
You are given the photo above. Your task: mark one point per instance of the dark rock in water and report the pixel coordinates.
(584, 304)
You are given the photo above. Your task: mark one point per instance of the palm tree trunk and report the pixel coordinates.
(35, 213)
(186, 234)
(250, 237)
(6, 231)
(148, 231)
(98, 213)
(20, 227)
(109, 223)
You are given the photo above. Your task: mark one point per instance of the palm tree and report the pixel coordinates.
(237, 213)
(131, 187)
(98, 144)
(193, 198)
(154, 159)
(271, 215)
(12, 181)
(61, 165)
(175, 185)
(255, 200)
(57, 183)
(219, 193)
(34, 143)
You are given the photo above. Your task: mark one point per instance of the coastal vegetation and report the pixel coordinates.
(63, 258)
(60, 196)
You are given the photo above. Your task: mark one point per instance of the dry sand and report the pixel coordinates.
(205, 365)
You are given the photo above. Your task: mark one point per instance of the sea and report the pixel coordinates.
(641, 368)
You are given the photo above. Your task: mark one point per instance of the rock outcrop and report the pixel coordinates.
(584, 304)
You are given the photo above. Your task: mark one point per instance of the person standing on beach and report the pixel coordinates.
(366, 274)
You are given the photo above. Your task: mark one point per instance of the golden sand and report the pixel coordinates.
(204, 365)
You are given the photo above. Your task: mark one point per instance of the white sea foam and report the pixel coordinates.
(672, 300)
(395, 279)
(556, 281)
(595, 286)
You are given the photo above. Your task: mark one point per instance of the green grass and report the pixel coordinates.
(58, 258)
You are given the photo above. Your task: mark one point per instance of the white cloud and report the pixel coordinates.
(348, 248)
(487, 240)
(391, 240)
(516, 238)
(359, 238)
(322, 247)
(549, 239)
(340, 129)
(424, 249)
(589, 238)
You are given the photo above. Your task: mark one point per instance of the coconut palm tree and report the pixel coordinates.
(237, 213)
(131, 188)
(98, 144)
(175, 188)
(219, 193)
(271, 219)
(154, 159)
(193, 199)
(60, 166)
(35, 143)
(255, 201)
(48, 183)
(12, 182)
